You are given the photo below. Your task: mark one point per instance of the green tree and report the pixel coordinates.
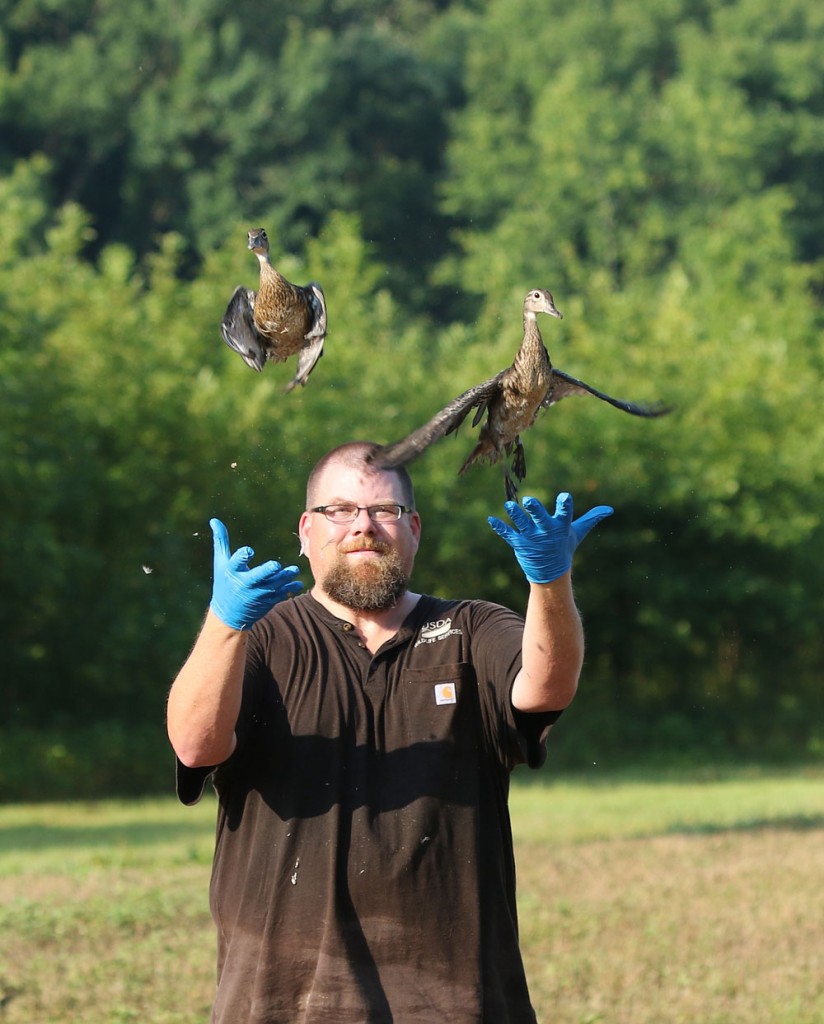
(654, 166)
(183, 116)
(126, 423)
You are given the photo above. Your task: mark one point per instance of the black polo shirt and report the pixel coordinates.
(363, 870)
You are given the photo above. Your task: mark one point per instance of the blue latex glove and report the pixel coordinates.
(241, 595)
(544, 544)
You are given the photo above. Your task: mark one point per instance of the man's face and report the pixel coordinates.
(362, 565)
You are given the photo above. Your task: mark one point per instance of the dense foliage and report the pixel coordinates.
(657, 165)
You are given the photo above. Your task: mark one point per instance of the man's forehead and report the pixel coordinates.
(350, 483)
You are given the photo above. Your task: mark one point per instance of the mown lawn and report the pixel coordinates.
(643, 901)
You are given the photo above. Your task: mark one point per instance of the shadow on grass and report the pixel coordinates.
(42, 837)
(791, 823)
(600, 776)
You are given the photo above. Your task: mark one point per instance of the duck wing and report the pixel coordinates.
(317, 305)
(315, 336)
(442, 423)
(562, 385)
(239, 330)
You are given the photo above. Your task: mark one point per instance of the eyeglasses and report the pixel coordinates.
(348, 513)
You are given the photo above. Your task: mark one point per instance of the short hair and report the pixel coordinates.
(357, 455)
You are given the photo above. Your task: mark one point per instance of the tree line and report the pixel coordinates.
(657, 166)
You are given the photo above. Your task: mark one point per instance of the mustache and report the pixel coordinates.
(364, 544)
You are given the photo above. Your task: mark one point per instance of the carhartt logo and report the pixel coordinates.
(445, 693)
(439, 629)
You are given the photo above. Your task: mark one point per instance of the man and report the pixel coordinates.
(361, 738)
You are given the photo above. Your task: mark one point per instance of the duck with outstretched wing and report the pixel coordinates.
(511, 401)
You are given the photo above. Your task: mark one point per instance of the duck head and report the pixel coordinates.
(539, 300)
(259, 241)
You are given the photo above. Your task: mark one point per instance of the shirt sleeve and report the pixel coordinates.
(496, 638)
(190, 782)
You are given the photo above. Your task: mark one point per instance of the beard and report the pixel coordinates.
(369, 587)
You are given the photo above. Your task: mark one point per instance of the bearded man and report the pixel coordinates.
(360, 738)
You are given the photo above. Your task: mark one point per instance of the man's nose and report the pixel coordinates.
(362, 520)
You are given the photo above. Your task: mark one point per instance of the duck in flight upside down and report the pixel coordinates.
(511, 401)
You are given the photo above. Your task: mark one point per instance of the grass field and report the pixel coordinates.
(677, 901)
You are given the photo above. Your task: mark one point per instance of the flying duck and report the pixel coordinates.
(279, 320)
(511, 400)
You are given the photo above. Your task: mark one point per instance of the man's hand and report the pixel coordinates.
(241, 595)
(544, 544)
